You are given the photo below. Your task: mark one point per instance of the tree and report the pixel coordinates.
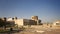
(1, 23)
(5, 24)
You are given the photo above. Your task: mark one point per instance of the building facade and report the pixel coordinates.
(22, 22)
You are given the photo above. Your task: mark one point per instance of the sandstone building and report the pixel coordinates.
(22, 22)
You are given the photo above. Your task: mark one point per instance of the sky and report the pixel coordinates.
(46, 10)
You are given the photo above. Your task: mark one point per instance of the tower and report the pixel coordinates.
(34, 17)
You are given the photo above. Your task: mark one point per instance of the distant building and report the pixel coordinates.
(34, 17)
(10, 23)
(57, 23)
(22, 22)
(9, 19)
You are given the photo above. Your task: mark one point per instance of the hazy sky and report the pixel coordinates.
(46, 10)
